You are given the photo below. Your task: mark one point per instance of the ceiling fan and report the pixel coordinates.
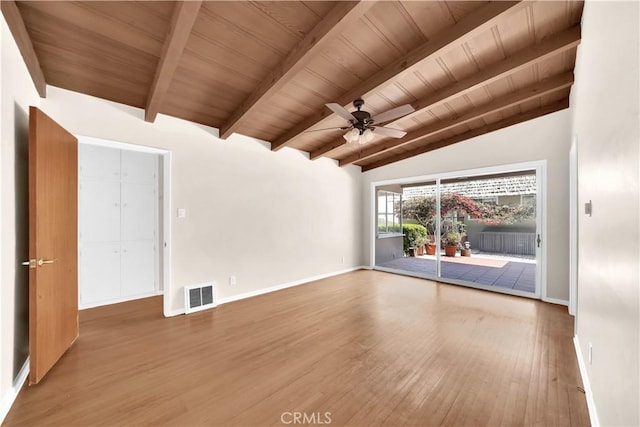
(362, 126)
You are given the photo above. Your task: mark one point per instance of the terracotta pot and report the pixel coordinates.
(431, 249)
(465, 252)
(420, 250)
(450, 250)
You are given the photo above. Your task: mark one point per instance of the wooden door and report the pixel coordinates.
(53, 242)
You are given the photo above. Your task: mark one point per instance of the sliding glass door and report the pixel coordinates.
(478, 229)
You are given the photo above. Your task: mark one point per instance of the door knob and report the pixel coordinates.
(41, 261)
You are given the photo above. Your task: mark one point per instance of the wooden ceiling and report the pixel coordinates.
(266, 69)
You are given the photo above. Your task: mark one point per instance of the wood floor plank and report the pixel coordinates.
(369, 348)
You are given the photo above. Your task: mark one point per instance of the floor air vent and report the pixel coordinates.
(199, 297)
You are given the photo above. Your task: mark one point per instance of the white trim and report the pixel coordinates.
(373, 229)
(467, 173)
(166, 233)
(573, 226)
(591, 404)
(120, 145)
(285, 285)
(118, 300)
(11, 394)
(541, 228)
(556, 301)
(275, 288)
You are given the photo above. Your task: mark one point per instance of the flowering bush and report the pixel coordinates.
(423, 210)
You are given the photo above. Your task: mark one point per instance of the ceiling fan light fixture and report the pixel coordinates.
(366, 136)
(352, 136)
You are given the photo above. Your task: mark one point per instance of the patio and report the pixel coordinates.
(490, 270)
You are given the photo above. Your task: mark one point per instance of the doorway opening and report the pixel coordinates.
(124, 222)
(480, 228)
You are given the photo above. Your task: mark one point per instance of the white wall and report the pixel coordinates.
(18, 93)
(268, 218)
(544, 138)
(606, 113)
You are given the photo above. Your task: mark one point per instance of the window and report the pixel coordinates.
(528, 199)
(389, 213)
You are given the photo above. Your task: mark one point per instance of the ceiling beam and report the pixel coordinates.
(21, 35)
(467, 28)
(538, 112)
(559, 43)
(534, 91)
(339, 18)
(184, 16)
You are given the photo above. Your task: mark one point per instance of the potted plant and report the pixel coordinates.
(466, 249)
(431, 245)
(420, 243)
(451, 240)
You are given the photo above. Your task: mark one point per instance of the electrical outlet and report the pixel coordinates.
(232, 280)
(590, 354)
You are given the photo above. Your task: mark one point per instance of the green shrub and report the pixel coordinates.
(414, 235)
(390, 229)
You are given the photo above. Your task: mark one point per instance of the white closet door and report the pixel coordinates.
(99, 272)
(138, 211)
(99, 211)
(99, 162)
(139, 167)
(138, 268)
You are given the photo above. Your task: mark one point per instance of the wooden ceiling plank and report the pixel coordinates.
(563, 42)
(25, 45)
(184, 16)
(340, 17)
(534, 91)
(529, 115)
(467, 28)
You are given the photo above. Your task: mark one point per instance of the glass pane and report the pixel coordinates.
(390, 224)
(382, 202)
(415, 210)
(382, 223)
(488, 231)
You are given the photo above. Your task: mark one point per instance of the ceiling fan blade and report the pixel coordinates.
(394, 113)
(319, 130)
(393, 133)
(340, 110)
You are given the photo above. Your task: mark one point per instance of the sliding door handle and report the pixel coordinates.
(539, 240)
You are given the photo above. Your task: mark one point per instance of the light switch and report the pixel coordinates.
(182, 213)
(588, 208)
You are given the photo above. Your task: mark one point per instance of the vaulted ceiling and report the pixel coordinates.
(266, 69)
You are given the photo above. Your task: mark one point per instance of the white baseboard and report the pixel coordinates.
(274, 288)
(11, 394)
(284, 286)
(556, 301)
(591, 405)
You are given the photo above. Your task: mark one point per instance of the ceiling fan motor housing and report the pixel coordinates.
(362, 118)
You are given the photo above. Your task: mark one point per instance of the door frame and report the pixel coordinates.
(540, 166)
(573, 226)
(166, 204)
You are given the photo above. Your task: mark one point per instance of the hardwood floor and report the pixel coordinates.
(370, 348)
